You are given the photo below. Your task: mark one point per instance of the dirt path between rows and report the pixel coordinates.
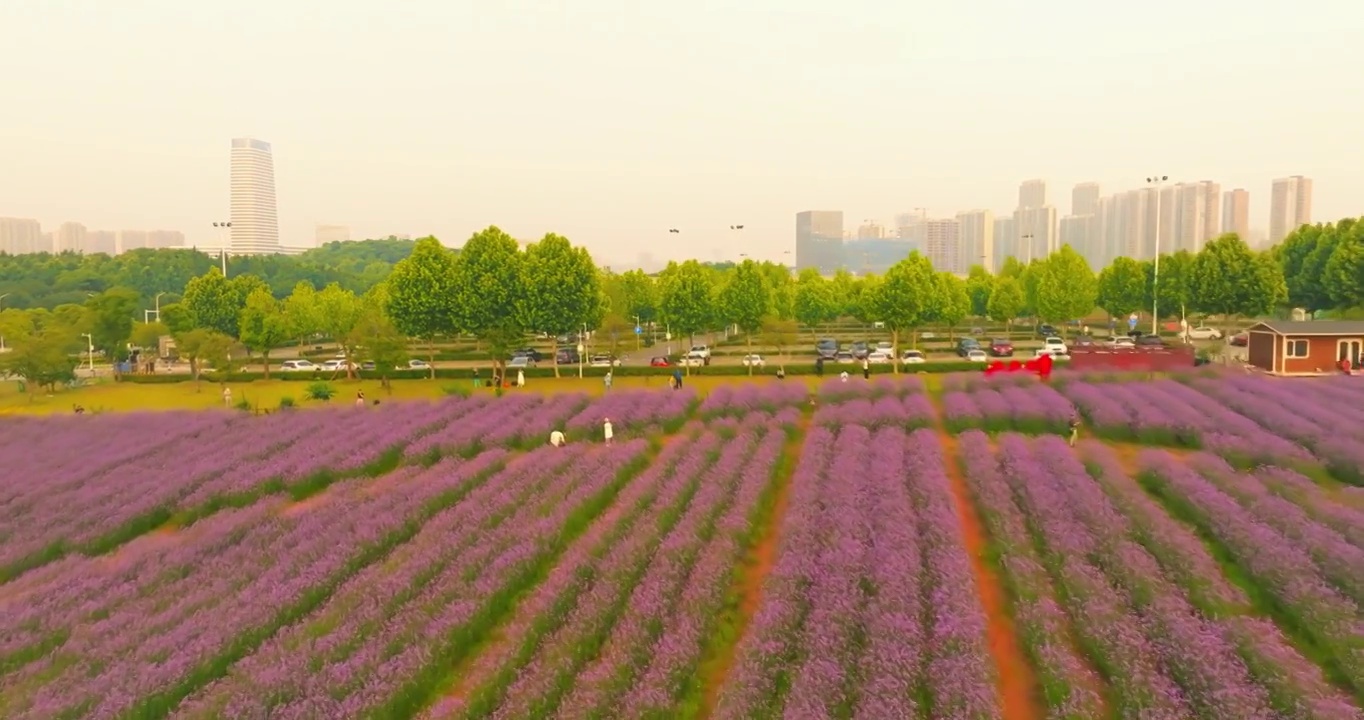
(1019, 692)
(757, 564)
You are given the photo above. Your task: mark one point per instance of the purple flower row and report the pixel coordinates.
(972, 381)
(1031, 407)
(484, 417)
(157, 627)
(484, 681)
(1271, 559)
(745, 398)
(634, 410)
(1069, 684)
(1347, 521)
(369, 649)
(835, 389)
(908, 411)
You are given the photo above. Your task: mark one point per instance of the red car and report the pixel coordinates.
(1240, 339)
(1001, 348)
(659, 361)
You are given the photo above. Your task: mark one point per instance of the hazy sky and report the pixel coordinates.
(611, 121)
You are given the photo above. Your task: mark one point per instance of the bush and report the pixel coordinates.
(321, 391)
(244, 405)
(286, 402)
(456, 390)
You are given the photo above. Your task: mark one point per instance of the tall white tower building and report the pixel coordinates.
(255, 221)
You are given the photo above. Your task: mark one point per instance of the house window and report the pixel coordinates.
(1295, 348)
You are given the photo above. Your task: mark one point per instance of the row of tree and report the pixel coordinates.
(495, 290)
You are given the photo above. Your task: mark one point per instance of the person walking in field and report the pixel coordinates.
(607, 379)
(677, 379)
(844, 376)
(556, 438)
(227, 396)
(1074, 429)
(360, 398)
(607, 431)
(866, 369)
(520, 378)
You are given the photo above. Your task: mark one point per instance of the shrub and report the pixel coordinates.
(286, 402)
(320, 390)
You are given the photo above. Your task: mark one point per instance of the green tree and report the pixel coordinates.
(488, 287)
(211, 303)
(148, 335)
(746, 300)
(686, 299)
(814, 300)
(42, 358)
(263, 325)
(561, 290)
(301, 312)
(780, 334)
(377, 339)
(1006, 302)
(201, 347)
(865, 308)
(1338, 265)
(1012, 268)
(1122, 287)
(953, 301)
(844, 291)
(1174, 289)
(339, 310)
(1230, 279)
(638, 296)
(979, 283)
(1066, 287)
(906, 296)
(110, 316)
(420, 295)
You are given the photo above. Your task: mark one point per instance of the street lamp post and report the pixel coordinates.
(1156, 181)
(223, 227)
(2, 307)
(639, 329)
(90, 351)
(582, 348)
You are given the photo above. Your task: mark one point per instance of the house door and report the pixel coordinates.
(1351, 350)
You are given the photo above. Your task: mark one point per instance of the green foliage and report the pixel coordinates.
(339, 310)
(421, 290)
(979, 284)
(287, 402)
(201, 346)
(1341, 275)
(952, 299)
(745, 298)
(110, 320)
(685, 297)
(780, 333)
(1066, 287)
(633, 295)
(1230, 279)
(561, 289)
(907, 296)
(845, 293)
(301, 312)
(1122, 287)
(814, 299)
(1175, 287)
(148, 334)
(320, 390)
(488, 284)
(1012, 268)
(42, 358)
(263, 324)
(375, 338)
(1006, 301)
(211, 303)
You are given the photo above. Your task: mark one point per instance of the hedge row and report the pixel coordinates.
(548, 372)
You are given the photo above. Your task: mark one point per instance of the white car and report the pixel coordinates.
(1055, 346)
(913, 357)
(879, 357)
(334, 365)
(1203, 332)
(1123, 341)
(1053, 352)
(298, 366)
(691, 360)
(701, 350)
(754, 361)
(885, 347)
(520, 362)
(603, 361)
(977, 355)
(415, 365)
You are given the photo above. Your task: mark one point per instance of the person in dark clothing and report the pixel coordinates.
(866, 369)
(819, 366)
(677, 379)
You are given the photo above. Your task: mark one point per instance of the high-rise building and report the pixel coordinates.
(331, 233)
(871, 230)
(1290, 206)
(1084, 199)
(1032, 194)
(819, 240)
(101, 241)
(165, 239)
(70, 237)
(132, 240)
(1037, 232)
(1074, 231)
(255, 220)
(1006, 241)
(20, 236)
(976, 239)
(942, 245)
(1212, 201)
(1236, 213)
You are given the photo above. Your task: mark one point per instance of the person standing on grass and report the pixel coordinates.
(1074, 429)
(607, 430)
(520, 378)
(677, 379)
(556, 438)
(843, 377)
(227, 396)
(359, 398)
(607, 379)
(866, 369)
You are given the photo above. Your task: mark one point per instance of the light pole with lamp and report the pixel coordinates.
(222, 246)
(2, 307)
(1156, 181)
(582, 348)
(146, 314)
(638, 330)
(90, 351)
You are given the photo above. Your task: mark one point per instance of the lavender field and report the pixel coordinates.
(898, 548)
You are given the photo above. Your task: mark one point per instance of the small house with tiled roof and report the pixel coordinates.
(1313, 347)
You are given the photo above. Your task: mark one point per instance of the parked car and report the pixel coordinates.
(1056, 345)
(860, 350)
(1046, 331)
(416, 365)
(1150, 341)
(659, 361)
(966, 345)
(367, 365)
(1203, 332)
(334, 365)
(912, 357)
(880, 357)
(1083, 341)
(885, 347)
(977, 331)
(999, 347)
(603, 361)
(754, 361)
(694, 360)
(1122, 341)
(1240, 339)
(1054, 352)
(298, 366)
(702, 350)
(521, 362)
(827, 348)
(566, 356)
(531, 353)
(844, 358)
(977, 355)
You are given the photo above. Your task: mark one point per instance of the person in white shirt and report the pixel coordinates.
(520, 378)
(607, 431)
(844, 377)
(556, 439)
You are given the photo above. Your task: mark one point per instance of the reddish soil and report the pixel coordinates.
(304, 505)
(1018, 688)
(757, 564)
